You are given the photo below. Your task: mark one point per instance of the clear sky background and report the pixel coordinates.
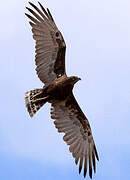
(97, 34)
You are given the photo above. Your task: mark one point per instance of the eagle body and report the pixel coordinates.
(61, 88)
(58, 89)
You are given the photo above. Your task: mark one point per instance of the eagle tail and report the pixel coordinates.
(34, 101)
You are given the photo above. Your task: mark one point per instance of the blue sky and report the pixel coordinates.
(97, 34)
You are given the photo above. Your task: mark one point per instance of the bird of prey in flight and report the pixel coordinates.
(57, 90)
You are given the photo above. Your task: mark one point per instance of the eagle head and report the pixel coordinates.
(74, 79)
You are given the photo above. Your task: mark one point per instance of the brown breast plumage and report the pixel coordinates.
(59, 89)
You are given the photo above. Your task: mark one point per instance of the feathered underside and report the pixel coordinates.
(70, 120)
(50, 45)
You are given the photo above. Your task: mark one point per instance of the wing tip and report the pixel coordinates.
(96, 153)
(27, 15)
(39, 3)
(28, 8)
(30, 3)
(80, 168)
(84, 174)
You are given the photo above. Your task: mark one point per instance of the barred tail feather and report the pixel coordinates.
(30, 101)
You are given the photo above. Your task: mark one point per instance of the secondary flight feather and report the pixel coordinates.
(57, 90)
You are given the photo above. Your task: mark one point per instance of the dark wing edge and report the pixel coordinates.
(50, 45)
(70, 120)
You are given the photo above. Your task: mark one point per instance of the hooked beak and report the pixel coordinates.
(78, 79)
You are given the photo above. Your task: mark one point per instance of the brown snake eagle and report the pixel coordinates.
(57, 90)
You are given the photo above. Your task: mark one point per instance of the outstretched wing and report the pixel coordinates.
(50, 45)
(70, 119)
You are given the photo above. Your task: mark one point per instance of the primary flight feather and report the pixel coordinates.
(57, 90)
